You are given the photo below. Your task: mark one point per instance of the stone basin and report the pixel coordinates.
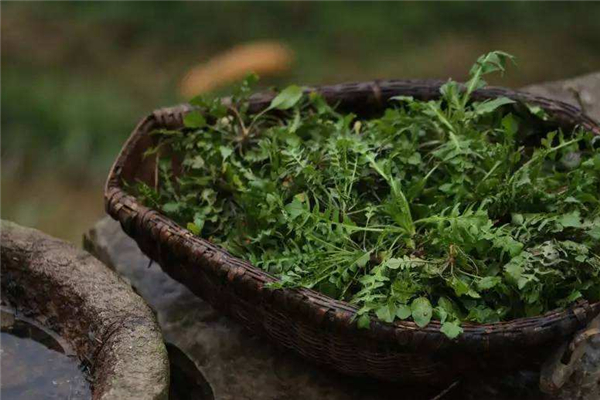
(111, 330)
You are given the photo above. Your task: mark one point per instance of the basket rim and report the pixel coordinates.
(117, 200)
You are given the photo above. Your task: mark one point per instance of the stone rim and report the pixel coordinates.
(112, 330)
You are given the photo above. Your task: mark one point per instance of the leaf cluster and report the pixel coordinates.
(450, 209)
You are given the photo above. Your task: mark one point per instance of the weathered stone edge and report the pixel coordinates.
(97, 312)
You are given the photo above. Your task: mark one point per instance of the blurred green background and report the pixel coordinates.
(76, 77)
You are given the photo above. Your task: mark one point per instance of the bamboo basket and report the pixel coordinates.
(313, 325)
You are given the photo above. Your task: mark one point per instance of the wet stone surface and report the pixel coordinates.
(35, 365)
(238, 365)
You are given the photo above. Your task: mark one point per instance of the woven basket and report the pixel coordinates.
(317, 327)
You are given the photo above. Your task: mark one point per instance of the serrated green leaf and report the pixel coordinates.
(295, 208)
(488, 282)
(594, 231)
(460, 287)
(364, 259)
(571, 220)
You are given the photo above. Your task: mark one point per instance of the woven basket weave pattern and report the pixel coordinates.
(314, 325)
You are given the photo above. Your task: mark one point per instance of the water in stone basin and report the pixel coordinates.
(36, 365)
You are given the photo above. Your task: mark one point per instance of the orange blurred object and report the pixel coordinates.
(263, 58)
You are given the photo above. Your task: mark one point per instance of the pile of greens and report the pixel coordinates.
(450, 209)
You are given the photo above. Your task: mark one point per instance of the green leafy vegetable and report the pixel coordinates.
(446, 209)
(451, 329)
(421, 311)
(194, 120)
(288, 98)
